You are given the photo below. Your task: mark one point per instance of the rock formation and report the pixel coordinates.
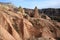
(15, 26)
(53, 13)
(36, 14)
(45, 16)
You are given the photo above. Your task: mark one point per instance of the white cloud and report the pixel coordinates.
(38, 3)
(49, 3)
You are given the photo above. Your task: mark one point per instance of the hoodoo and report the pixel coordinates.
(36, 14)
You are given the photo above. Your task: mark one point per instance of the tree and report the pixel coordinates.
(21, 9)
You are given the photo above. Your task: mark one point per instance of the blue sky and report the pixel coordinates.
(32, 3)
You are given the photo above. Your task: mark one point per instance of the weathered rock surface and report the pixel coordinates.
(17, 25)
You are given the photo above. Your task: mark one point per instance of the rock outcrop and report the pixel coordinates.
(21, 26)
(36, 14)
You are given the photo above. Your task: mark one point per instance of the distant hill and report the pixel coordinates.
(7, 4)
(53, 13)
